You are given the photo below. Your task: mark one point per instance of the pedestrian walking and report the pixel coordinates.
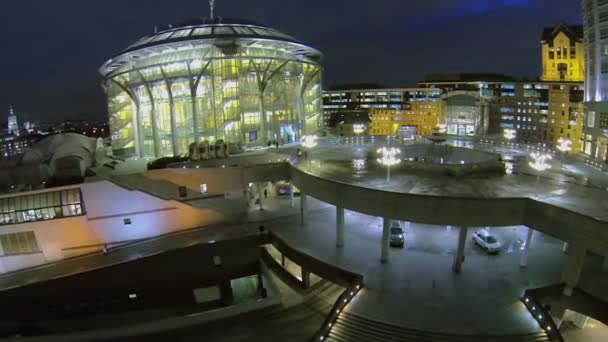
(265, 193)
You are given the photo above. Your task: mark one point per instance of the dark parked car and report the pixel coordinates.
(397, 239)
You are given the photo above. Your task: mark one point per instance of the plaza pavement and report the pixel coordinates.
(415, 289)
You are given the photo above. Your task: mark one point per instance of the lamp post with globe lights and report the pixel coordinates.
(388, 159)
(509, 134)
(564, 145)
(308, 142)
(540, 163)
(358, 129)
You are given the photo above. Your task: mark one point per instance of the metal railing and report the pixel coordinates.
(542, 316)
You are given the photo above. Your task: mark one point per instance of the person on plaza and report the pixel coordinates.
(265, 193)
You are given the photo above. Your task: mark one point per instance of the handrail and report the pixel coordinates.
(353, 282)
(343, 300)
(542, 316)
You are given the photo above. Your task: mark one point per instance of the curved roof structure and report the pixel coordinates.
(567, 211)
(196, 32)
(58, 146)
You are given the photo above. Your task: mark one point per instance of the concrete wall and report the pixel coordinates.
(107, 206)
(171, 283)
(220, 180)
(449, 153)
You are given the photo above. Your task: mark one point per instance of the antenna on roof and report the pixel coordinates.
(212, 7)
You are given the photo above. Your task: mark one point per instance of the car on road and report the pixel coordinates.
(396, 239)
(487, 241)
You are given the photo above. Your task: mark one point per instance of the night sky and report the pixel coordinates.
(52, 49)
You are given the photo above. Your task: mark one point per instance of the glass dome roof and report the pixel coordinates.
(205, 28)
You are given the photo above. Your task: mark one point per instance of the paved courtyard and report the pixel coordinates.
(417, 288)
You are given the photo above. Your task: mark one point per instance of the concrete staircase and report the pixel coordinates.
(350, 327)
(322, 296)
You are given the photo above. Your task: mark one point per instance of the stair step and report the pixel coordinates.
(351, 327)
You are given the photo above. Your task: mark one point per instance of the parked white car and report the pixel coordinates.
(487, 241)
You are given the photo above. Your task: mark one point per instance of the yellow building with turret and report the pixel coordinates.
(563, 54)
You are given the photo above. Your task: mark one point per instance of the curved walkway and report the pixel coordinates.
(344, 176)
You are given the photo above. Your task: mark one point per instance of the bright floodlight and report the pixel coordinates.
(309, 141)
(509, 133)
(564, 145)
(358, 128)
(540, 161)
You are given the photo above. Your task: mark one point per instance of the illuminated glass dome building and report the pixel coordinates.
(206, 80)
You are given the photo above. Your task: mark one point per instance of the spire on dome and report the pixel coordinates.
(10, 110)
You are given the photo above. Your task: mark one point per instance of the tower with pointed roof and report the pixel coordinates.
(13, 126)
(563, 53)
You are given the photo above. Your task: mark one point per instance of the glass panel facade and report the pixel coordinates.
(40, 207)
(246, 96)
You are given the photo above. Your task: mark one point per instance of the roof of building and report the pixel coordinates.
(356, 86)
(468, 77)
(58, 146)
(573, 32)
(226, 33)
(205, 28)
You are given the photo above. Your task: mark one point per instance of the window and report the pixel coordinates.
(40, 207)
(19, 243)
(603, 121)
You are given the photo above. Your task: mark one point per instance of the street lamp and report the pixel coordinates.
(539, 162)
(509, 134)
(358, 128)
(564, 145)
(308, 141)
(388, 159)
